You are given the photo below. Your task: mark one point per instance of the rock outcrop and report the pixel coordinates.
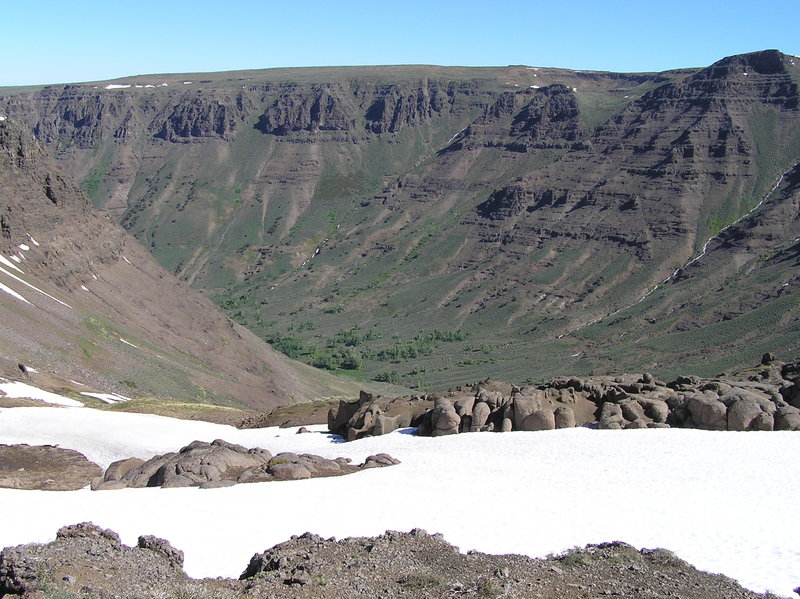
(372, 415)
(87, 561)
(45, 467)
(221, 464)
(760, 399)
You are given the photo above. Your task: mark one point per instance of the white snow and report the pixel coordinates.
(13, 293)
(84, 288)
(187, 82)
(16, 259)
(33, 241)
(534, 86)
(117, 86)
(2, 118)
(24, 247)
(126, 342)
(23, 390)
(725, 502)
(126, 260)
(10, 264)
(106, 397)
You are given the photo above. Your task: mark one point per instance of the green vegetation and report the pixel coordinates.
(92, 184)
(418, 582)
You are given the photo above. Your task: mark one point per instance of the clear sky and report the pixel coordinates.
(59, 41)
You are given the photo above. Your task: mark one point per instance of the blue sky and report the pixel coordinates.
(61, 41)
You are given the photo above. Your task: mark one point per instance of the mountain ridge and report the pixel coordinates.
(516, 206)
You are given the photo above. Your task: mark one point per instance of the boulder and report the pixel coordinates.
(611, 416)
(338, 418)
(787, 418)
(379, 460)
(539, 420)
(764, 422)
(464, 405)
(742, 415)
(362, 423)
(655, 409)
(444, 419)
(120, 468)
(564, 417)
(707, 413)
(221, 464)
(632, 410)
(523, 407)
(288, 471)
(480, 416)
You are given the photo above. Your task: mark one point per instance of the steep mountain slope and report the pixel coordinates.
(82, 301)
(431, 225)
(738, 297)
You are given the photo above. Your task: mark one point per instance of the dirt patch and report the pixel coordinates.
(19, 402)
(299, 414)
(45, 468)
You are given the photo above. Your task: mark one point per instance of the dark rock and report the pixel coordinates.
(444, 420)
(87, 530)
(611, 416)
(539, 420)
(707, 413)
(222, 464)
(480, 416)
(742, 415)
(524, 407)
(564, 417)
(162, 547)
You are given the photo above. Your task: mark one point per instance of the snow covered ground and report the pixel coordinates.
(725, 502)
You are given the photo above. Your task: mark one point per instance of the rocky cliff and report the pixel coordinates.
(518, 205)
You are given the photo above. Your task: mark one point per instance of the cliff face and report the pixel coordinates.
(520, 203)
(83, 301)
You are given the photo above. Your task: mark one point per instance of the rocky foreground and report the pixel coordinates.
(763, 398)
(87, 561)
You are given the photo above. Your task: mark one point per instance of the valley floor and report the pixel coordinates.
(723, 501)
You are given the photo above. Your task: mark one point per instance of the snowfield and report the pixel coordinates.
(725, 502)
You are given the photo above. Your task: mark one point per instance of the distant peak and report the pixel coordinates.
(764, 62)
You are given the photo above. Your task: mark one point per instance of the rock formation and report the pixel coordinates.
(87, 561)
(764, 398)
(221, 464)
